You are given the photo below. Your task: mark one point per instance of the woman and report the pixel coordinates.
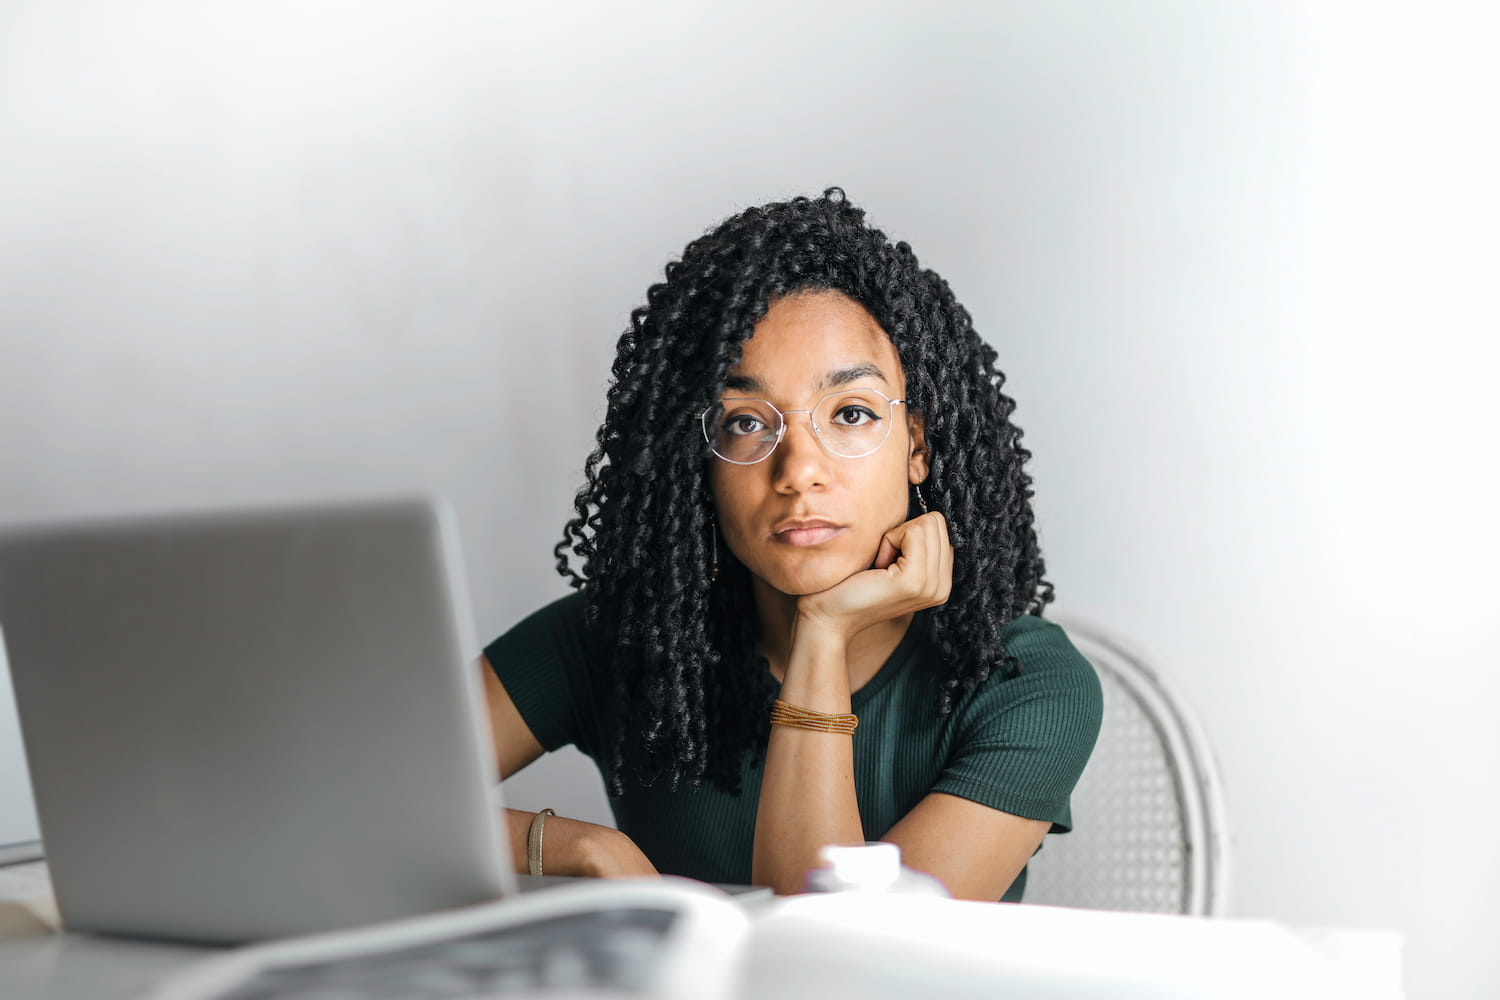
(808, 511)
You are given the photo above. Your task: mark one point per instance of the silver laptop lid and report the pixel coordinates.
(256, 724)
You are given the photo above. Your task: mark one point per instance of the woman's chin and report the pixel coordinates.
(812, 578)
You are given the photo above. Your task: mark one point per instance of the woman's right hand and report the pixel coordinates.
(575, 847)
(913, 571)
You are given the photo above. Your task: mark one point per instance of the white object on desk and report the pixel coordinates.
(873, 866)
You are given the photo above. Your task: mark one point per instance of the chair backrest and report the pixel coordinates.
(1150, 827)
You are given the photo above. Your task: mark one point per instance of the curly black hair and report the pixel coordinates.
(691, 695)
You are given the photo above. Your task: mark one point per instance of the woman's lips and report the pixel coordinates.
(803, 537)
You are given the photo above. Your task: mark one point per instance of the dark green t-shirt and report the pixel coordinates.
(1015, 743)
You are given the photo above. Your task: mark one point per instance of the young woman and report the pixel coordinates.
(809, 586)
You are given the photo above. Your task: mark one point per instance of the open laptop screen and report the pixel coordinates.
(251, 724)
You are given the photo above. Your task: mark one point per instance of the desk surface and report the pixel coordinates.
(36, 961)
(865, 945)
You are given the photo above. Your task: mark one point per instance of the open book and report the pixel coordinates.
(668, 938)
(673, 938)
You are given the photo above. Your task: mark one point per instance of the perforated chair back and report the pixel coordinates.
(1150, 828)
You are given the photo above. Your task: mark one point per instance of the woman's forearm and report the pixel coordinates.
(807, 788)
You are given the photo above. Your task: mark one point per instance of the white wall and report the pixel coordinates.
(1238, 260)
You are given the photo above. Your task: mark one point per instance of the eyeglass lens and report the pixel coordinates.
(851, 423)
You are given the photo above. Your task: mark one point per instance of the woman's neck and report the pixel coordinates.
(866, 653)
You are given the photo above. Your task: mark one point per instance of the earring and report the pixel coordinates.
(921, 502)
(713, 537)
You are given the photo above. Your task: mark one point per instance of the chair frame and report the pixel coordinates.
(1194, 770)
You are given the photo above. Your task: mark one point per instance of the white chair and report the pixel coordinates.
(1150, 828)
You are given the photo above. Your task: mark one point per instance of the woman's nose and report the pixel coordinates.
(800, 461)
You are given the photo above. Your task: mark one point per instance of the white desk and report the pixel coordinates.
(36, 961)
(868, 946)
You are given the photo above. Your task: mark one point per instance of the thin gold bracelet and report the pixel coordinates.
(534, 841)
(783, 714)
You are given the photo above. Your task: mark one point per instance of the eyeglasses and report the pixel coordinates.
(850, 423)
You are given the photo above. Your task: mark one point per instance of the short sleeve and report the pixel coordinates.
(1021, 741)
(549, 665)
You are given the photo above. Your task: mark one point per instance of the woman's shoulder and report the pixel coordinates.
(1047, 699)
(1040, 644)
(555, 626)
(565, 612)
(1046, 663)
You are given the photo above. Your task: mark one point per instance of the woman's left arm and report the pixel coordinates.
(807, 800)
(974, 850)
(807, 790)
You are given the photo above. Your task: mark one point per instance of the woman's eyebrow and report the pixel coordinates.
(843, 376)
(744, 383)
(835, 379)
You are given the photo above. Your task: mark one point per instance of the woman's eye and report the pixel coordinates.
(742, 425)
(854, 416)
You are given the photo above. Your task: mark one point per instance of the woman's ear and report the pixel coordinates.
(916, 462)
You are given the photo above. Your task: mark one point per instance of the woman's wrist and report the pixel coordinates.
(816, 636)
(817, 670)
(568, 849)
(562, 848)
(588, 849)
(575, 847)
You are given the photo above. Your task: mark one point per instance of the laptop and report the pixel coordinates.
(250, 725)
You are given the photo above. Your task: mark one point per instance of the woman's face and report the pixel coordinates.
(803, 519)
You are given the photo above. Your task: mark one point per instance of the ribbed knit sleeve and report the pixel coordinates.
(550, 670)
(1019, 743)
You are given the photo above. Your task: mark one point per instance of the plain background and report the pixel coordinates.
(1239, 261)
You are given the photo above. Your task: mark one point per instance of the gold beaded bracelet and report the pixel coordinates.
(783, 714)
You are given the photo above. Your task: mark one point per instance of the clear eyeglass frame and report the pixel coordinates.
(711, 438)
